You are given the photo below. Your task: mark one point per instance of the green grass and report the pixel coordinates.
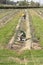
(11, 63)
(38, 56)
(37, 23)
(8, 30)
(25, 54)
(6, 54)
(6, 57)
(34, 57)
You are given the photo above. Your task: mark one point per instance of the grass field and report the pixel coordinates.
(4, 13)
(27, 57)
(8, 30)
(32, 57)
(37, 23)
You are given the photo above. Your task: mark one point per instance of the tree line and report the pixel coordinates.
(21, 3)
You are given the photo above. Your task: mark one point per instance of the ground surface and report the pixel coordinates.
(13, 52)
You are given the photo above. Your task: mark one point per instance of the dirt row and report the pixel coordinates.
(35, 41)
(40, 13)
(7, 18)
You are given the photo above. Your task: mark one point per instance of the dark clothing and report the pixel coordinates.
(23, 36)
(24, 16)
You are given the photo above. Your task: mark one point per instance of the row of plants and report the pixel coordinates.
(37, 23)
(5, 13)
(8, 30)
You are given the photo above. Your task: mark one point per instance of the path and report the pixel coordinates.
(29, 43)
(28, 34)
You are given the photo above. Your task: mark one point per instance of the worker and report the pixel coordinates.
(24, 16)
(22, 36)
